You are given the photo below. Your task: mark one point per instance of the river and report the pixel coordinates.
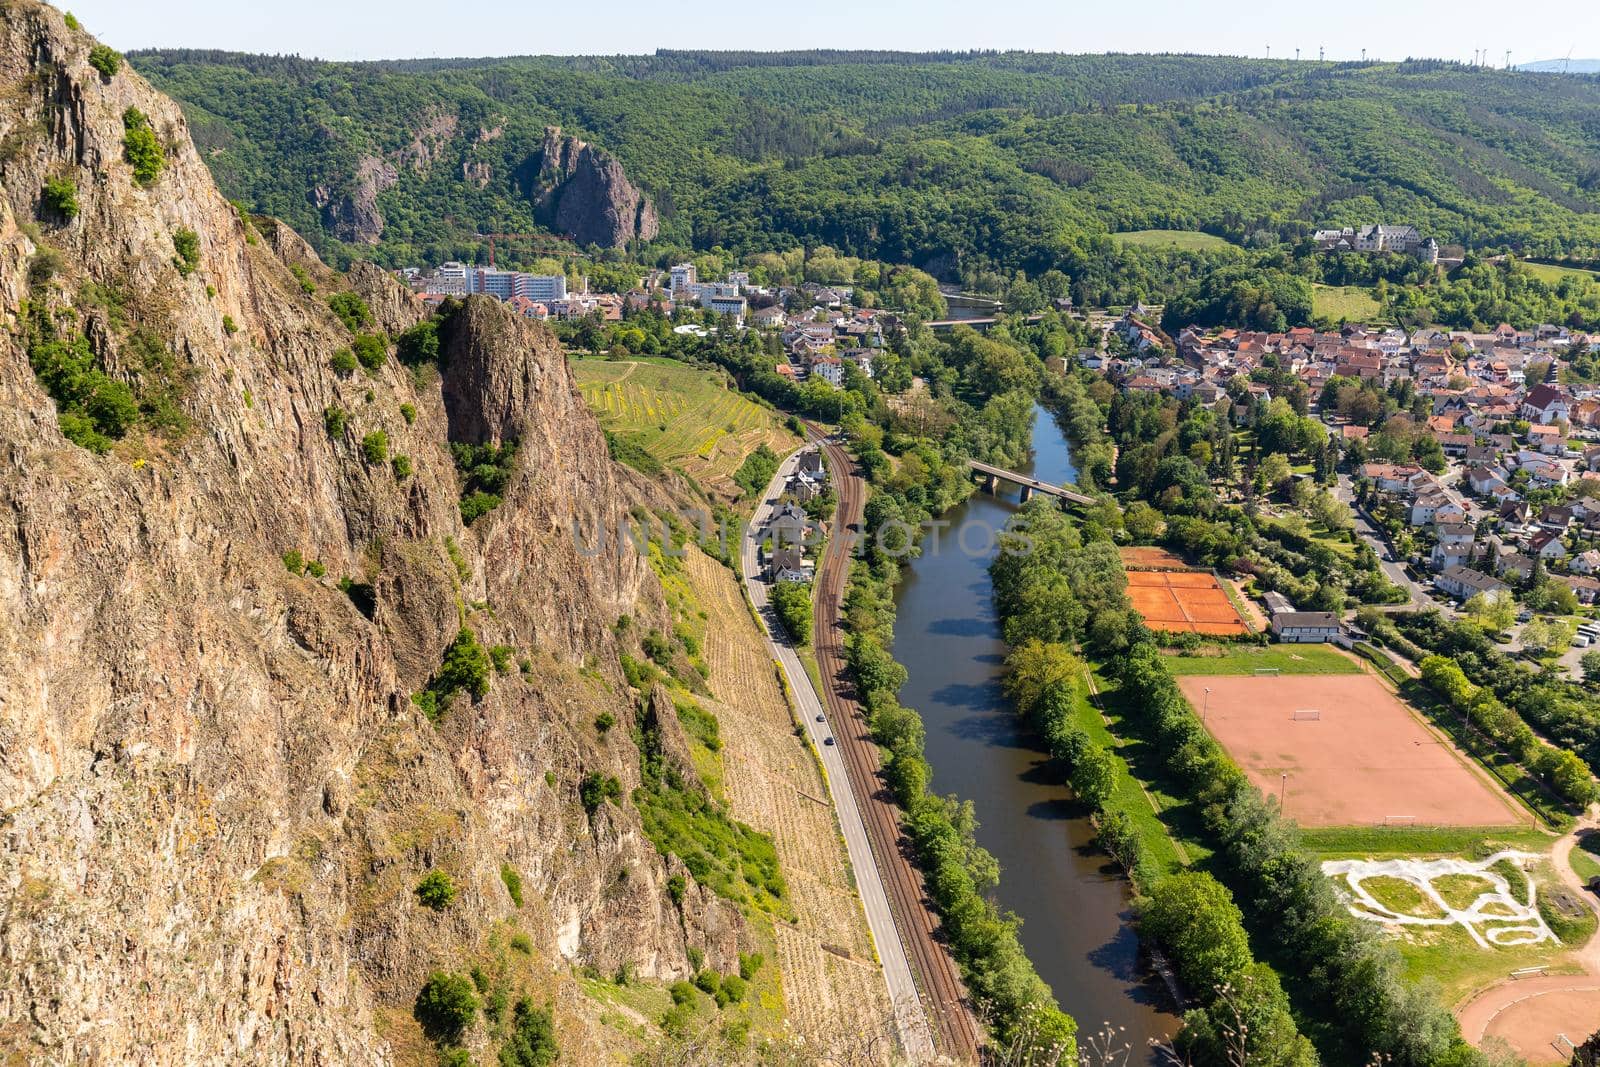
(1074, 906)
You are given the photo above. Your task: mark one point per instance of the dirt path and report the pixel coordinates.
(1528, 1012)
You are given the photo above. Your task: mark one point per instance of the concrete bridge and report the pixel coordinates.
(992, 475)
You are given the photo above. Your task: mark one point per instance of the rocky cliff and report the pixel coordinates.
(221, 589)
(581, 191)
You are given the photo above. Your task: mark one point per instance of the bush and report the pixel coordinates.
(71, 20)
(350, 310)
(436, 890)
(343, 362)
(533, 1037)
(61, 196)
(596, 788)
(187, 244)
(409, 413)
(105, 60)
(294, 561)
(757, 470)
(446, 1006)
(315, 569)
(677, 885)
(604, 721)
(307, 286)
(141, 148)
(513, 880)
(402, 467)
(792, 600)
(334, 420)
(522, 943)
(229, 327)
(419, 346)
(375, 446)
(371, 350)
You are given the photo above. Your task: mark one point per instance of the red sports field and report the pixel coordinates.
(1183, 600)
(1365, 760)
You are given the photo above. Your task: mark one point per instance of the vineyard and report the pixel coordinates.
(683, 416)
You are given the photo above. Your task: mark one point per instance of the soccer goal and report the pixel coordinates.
(1306, 715)
(1267, 672)
(1399, 820)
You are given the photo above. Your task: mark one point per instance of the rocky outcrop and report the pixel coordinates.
(581, 191)
(216, 795)
(353, 215)
(395, 308)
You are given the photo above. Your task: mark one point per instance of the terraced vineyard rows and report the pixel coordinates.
(684, 417)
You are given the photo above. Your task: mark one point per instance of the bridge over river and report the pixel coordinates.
(1030, 485)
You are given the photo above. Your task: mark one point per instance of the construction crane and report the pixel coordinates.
(1566, 60)
(549, 244)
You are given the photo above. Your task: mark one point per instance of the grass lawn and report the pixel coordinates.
(1550, 272)
(683, 416)
(1352, 302)
(1161, 851)
(1586, 855)
(1382, 842)
(1243, 659)
(1179, 818)
(1186, 240)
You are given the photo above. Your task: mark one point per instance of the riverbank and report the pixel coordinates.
(1073, 903)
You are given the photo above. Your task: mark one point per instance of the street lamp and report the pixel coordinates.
(1283, 787)
(1206, 707)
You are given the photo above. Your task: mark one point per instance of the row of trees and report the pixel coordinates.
(1053, 591)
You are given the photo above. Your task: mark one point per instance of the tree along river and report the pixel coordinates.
(1074, 905)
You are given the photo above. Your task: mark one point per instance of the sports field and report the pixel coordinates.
(1176, 601)
(1354, 755)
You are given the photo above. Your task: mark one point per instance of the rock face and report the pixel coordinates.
(579, 190)
(353, 215)
(216, 795)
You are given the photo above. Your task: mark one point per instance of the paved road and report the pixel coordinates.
(1421, 597)
(911, 1020)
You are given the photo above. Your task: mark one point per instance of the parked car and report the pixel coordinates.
(827, 740)
(822, 718)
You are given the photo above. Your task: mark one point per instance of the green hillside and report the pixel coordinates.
(955, 162)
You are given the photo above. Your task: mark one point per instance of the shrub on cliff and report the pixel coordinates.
(351, 310)
(105, 59)
(533, 1037)
(436, 891)
(446, 1006)
(61, 196)
(187, 244)
(141, 148)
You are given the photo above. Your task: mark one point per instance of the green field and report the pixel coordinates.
(1184, 240)
(1384, 842)
(1242, 659)
(1585, 856)
(684, 416)
(1550, 272)
(1351, 302)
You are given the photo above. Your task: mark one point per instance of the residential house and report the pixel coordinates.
(1584, 588)
(1463, 583)
(788, 525)
(1585, 562)
(1547, 545)
(1454, 546)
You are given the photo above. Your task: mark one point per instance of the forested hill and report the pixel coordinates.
(951, 161)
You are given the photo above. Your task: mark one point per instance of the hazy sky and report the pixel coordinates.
(377, 29)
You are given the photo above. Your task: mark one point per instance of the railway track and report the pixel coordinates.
(957, 1032)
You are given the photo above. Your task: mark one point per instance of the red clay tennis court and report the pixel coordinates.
(1354, 754)
(1176, 601)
